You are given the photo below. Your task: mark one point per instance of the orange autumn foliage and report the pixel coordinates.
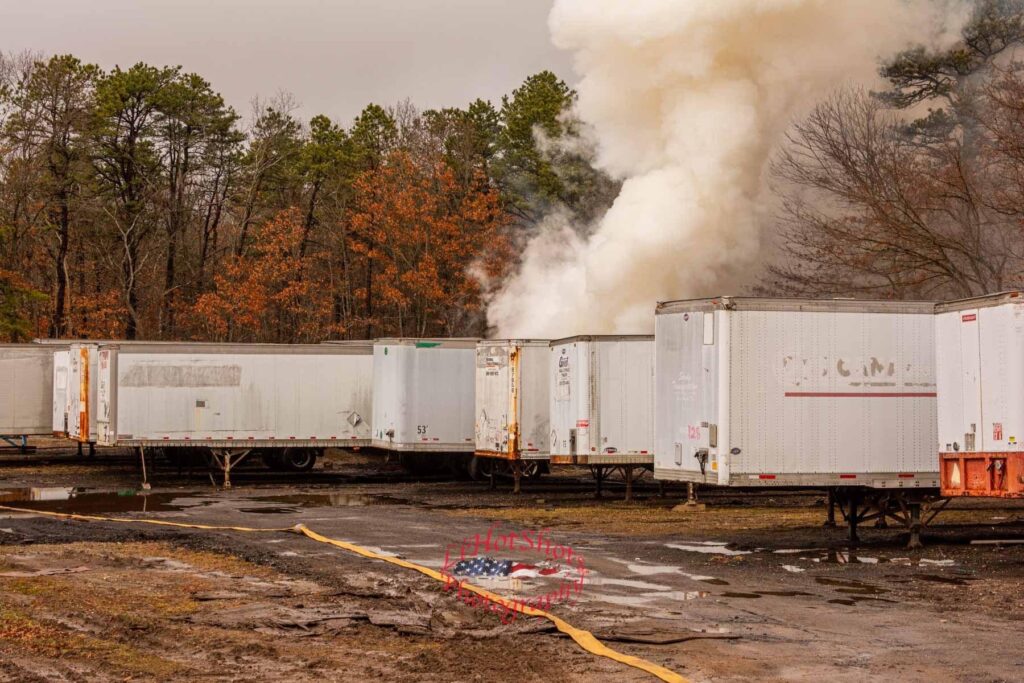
(423, 241)
(265, 294)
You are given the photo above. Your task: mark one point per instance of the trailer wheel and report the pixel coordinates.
(299, 459)
(532, 469)
(479, 468)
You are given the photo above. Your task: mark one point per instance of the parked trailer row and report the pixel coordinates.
(730, 391)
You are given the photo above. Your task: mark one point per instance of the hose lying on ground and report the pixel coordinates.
(584, 639)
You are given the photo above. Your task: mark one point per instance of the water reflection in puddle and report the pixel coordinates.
(77, 500)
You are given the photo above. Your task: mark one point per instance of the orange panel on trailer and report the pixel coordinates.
(999, 475)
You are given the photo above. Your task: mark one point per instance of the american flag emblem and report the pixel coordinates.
(488, 566)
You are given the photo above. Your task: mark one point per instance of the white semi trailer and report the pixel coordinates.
(512, 419)
(286, 402)
(423, 395)
(838, 394)
(26, 385)
(979, 360)
(602, 404)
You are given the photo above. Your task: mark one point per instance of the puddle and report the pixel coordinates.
(744, 596)
(269, 511)
(707, 548)
(793, 551)
(784, 594)
(86, 501)
(850, 602)
(641, 569)
(320, 500)
(843, 557)
(625, 583)
(850, 586)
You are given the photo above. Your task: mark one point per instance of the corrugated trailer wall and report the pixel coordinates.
(26, 389)
(602, 400)
(774, 392)
(423, 395)
(980, 367)
(235, 395)
(512, 412)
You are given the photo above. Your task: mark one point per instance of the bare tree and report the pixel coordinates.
(867, 209)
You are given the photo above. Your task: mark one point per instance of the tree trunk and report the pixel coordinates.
(58, 325)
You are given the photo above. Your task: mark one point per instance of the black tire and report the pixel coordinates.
(299, 459)
(479, 468)
(533, 469)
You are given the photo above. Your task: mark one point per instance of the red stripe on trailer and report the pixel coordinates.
(167, 438)
(312, 438)
(533, 449)
(766, 476)
(859, 394)
(905, 476)
(188, 438)
(292, 438)
(252, 438)
(968, 317)
(643, 452)
(230, 438)
(847, 476)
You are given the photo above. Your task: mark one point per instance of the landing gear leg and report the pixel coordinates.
(629, 483)
(830, 519)
(852, 519)
(517, 475)
(915, 527)
(142, 460)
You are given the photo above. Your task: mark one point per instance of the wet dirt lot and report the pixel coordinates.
(752, 588)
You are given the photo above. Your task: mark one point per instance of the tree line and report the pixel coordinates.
(135, 203)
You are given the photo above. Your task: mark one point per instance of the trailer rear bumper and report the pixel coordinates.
(503, 455)
(995, 475)
(868, 480)
(611, 459)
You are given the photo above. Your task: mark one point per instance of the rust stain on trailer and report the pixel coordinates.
(183, 376)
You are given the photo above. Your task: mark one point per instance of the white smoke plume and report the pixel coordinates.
(688, 98)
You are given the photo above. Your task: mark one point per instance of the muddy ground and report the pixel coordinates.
(751, 588)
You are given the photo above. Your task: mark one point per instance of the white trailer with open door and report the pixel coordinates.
(759, 392)
(512, 423)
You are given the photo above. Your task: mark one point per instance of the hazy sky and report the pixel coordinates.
(335, 56)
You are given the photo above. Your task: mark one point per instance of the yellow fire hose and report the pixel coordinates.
(584, 639)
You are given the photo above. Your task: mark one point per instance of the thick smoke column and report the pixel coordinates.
(688, 98)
